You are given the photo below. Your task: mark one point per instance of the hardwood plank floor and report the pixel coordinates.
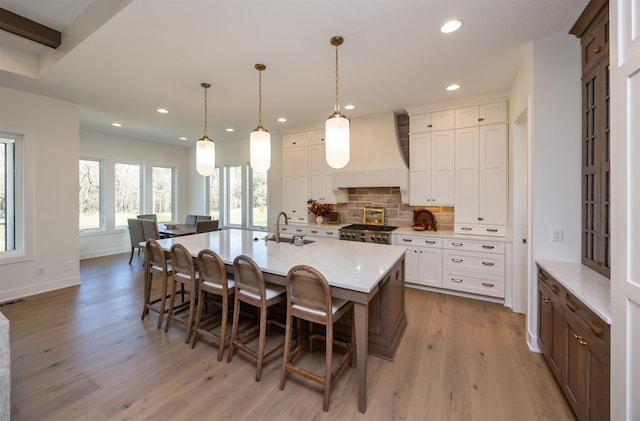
(82, 353)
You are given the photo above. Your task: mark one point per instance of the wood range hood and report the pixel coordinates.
(376, 159)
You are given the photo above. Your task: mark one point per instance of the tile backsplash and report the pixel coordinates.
(396, 213)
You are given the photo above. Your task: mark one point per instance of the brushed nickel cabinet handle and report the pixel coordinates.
(456, 260)
(456, 280)
(298, 230)
(488, 263)
(407, 240)
(488, 285)
(429, 241)
(314, 232)
(596, 328)
(484, 246)
(465, 228)
(456, 244)
(492, 230)
(330, 233)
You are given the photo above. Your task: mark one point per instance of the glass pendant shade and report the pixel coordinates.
(336, 139)
(205, 156)
(260, 147)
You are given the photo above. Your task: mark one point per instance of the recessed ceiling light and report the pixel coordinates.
(229, 129)
(453, 87)
(163, 111)
(450, 26)
(349, 107)
(116, 124)
(183, 138)
(282, 120)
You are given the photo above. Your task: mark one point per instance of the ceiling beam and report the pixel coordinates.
(29, 29)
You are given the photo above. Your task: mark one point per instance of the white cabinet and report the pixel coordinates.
(323, 232)
(423, 259)
(431, 174)
(476, 267)
(481, 180)
(427, 122)
(306, 174)
(481, 115)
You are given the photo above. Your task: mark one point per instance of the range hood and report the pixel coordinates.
(376, 160)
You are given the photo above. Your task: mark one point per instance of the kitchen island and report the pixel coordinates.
(370, 275)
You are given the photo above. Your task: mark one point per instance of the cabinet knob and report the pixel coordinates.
(480, 218)
(430, 125)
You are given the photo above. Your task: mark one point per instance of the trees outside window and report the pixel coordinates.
(214, 194)
(127, 189)
(9, 181)
(163, 193)
(234, 195)
(258, 199)
(90, 194)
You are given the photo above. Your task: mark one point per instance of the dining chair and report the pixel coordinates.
(206, 226)
(203, 218)
(156, 265)
(212, 280)
(136, 235)
(309, 298)
(150, 229)
(184, 273)
(191, 219)
(151, 216)
(252, 289)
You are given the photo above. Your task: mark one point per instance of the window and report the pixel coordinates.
(162, 178)
(214, 194)
(10, 192)
(90, 194)
(127, 188)
(258, 199)
(234, 195)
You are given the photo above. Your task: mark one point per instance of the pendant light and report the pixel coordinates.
(336, 128)
(260, 139)
(205, 147)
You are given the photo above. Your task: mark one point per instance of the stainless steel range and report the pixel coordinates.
(367, 233)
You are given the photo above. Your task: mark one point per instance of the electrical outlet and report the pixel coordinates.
(557, 234)
(39, 271)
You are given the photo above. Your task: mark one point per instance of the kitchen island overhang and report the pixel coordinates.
(370, 275)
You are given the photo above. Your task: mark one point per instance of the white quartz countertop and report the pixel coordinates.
(448, 234)
(593, 289)
(346, 264)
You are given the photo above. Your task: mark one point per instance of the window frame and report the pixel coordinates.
(173, 190)
(250, 199)
(101, 197)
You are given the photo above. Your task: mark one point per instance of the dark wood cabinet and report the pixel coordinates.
(592, 27)
(576, 345)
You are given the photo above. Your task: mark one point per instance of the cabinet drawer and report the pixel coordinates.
(294, 229)
(418, 241)
(479, 263)
(469, 245)
(554, 286)
(323, 232)
(476, 229)
(600, 330)
(295, 140)
(492, 286)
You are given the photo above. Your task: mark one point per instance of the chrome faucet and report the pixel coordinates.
(286, 222)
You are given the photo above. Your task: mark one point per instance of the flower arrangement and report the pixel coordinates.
(319, 209)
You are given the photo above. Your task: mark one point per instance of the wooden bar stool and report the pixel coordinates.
(185, 274)
(212, 280)
(309, 298)
(252, 289)
(156, 264)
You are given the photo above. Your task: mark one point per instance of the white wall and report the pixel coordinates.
(50, 130)
(556, 158)
(111, 149)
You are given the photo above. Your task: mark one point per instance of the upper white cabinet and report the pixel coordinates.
(481, 180)
(481, 115)
(428, 122)
(306, 173)
(431, 175)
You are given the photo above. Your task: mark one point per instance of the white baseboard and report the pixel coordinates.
(39, 288)
(105, 252)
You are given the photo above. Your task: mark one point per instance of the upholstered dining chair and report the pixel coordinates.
(150, 229)
(151, 216)
(156, 266)
(252, 289)
(184, 273)
(136, 235)
(206, 226)
(309, 298)
(212, 280)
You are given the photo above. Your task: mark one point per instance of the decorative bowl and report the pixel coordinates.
(171, 225)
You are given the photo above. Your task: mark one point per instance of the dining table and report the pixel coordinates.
(175, 230)
(355, 271)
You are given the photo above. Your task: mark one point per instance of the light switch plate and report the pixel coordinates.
(556, 235)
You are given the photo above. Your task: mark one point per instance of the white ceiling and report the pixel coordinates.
(120, 60)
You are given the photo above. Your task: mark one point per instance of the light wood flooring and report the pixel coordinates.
(82, 353)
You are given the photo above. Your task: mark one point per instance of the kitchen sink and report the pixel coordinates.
(289, 240)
